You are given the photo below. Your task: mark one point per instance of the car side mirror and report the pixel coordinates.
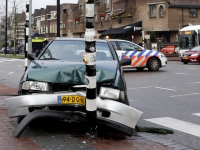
(31, 56)
(125, 61)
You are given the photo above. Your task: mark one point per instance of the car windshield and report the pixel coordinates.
(74, 51)
(124, 45)
(197, 48)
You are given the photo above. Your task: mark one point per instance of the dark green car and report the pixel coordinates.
(54, 85)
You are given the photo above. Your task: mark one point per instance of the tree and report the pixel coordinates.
(16, 18)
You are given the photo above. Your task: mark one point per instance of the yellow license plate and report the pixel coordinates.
(185, 57)
(71, 99)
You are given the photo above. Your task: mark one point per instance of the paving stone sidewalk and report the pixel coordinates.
(104, 142)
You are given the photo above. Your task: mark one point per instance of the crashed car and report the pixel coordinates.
(58, 73)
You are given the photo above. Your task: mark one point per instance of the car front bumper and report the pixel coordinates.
(120, 113)
(163, 61)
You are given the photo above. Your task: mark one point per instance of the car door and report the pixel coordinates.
(130, 50)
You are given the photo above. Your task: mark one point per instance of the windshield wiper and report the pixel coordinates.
(49, 59)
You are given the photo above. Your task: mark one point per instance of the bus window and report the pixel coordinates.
(184, 42)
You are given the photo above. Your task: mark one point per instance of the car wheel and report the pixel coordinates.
(140, 68)
(153, 64)
(185, 62)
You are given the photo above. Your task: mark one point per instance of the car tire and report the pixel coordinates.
(140, 68)
(153, 64)
(185, 62)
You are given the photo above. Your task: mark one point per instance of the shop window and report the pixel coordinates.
(161, 11)
(152, 11)
(193, 12)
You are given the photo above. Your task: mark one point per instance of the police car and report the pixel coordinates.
(141, 57)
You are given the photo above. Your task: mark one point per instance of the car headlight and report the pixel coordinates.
(194, 54)
(109, 93)
(36, 86)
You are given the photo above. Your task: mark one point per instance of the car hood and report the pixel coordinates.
(69, 72)
(191, 52)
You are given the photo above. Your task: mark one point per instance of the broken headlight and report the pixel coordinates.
(35, 86)
(109, 93)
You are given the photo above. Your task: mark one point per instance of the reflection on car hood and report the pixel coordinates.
(69, 72)
(191, 52)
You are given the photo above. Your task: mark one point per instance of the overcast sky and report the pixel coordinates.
(37, 4)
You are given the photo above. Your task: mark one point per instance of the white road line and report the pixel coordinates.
(165, 89)
(176, 124)
(1, 61)
(185, 95)
(10, 72)
(140, 87)
(182, 73)
(193, 83)
(19, 65)
(196, 114)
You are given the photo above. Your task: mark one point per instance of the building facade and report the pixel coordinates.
(160, 19)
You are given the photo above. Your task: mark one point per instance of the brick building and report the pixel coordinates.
(160, 19)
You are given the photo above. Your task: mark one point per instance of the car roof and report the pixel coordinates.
(79, 39)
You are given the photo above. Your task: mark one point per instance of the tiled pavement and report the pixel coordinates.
(105, 141)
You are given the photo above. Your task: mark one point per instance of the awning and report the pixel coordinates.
(128, 29)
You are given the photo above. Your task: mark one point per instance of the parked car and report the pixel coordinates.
(141, 57)
(191, 56)
(16, 51)
(58, 73)
(9, 50)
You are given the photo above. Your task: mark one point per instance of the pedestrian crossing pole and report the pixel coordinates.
(26, 34)
(90, 61)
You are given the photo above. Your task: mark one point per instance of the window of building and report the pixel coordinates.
(152, 11)
(81, 8)
(107, 3)
(193, 12)
(161, 11)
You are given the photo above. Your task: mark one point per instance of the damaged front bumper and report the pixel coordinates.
(119, 114)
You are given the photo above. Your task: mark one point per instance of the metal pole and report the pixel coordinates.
(143, 39)
(90, 61)
(26, 34)
(58, 18)
(30, 29)
(6, 27)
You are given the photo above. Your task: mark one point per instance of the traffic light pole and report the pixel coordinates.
(26, 34)
(30, 28)
(6, 27)
(58, 18)
(90, 61)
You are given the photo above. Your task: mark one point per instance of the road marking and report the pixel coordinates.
(176, 124)
(196, 114)
(165, 89)
(19, 65)
(10, 72)
(1, 61)
(185, 95)
(182, 73)
(193, 83)
(140, 87)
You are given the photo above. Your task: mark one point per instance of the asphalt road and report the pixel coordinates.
(169, 99)
(171, 95)
(11, 71)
